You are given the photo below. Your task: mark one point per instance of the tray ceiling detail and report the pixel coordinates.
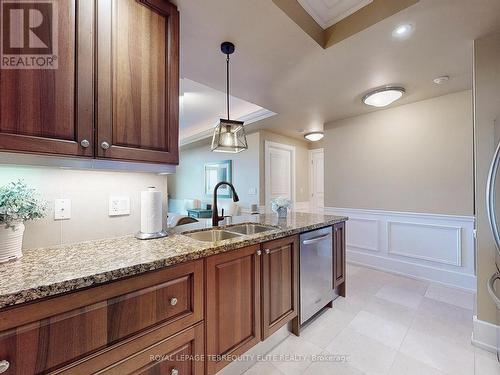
(328, 12)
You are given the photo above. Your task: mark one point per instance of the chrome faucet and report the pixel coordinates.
(215, 211)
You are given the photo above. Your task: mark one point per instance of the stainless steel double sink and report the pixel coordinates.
(235, 231)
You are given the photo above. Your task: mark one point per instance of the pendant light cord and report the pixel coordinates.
(227, 85)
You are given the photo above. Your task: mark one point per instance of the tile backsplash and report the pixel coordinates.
(89, 192)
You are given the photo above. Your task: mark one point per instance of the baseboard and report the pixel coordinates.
(484, 335)
(432, 247)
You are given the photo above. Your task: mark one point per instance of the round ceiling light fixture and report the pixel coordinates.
(384, 96)
(402, 31)
(440, 80)
(314, 136)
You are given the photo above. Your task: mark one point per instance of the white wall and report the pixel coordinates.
(188, 182)
(413, 158)
(89, 192)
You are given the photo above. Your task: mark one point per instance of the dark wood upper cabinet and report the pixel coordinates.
(115, 92)
(280, 283)
(233, 305)
(137, 80)
(50, 111)
(339, 257)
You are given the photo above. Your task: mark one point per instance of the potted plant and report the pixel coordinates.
(281, 205)
(18, 203)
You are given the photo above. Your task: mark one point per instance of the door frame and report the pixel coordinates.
(311, 176)
(267, 165)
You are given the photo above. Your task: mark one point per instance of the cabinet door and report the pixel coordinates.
(233, 305)
(138, 80)
(339, 256)
(280, 283)
(50, 111)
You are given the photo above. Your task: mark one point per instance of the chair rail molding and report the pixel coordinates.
(433, 247)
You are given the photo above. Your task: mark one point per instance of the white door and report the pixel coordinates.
(317, 184)
(279, 171)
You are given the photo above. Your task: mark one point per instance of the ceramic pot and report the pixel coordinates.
(11, 242)
(282, 212)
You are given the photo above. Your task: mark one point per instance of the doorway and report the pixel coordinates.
(317, 179)
(279, 171)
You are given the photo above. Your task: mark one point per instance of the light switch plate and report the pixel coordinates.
(119, 206)
(62, 209)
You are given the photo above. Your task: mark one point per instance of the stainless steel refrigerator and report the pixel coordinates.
(493, 210)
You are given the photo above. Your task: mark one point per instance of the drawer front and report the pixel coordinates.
(181, 354)
(153, 352)
(173, 301)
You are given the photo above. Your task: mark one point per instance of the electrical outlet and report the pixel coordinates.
(62, 209)
(119, 206)
(252, 191)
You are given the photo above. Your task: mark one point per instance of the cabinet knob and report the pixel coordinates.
(267, 251)
(85, 143)
(4, 366)
(173, 301)
(259, 252)
(105, 145)
(174, 372)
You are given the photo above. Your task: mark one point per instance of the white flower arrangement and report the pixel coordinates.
(281, 205)
(19, 203)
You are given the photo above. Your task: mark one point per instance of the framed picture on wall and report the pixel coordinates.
(216, 172)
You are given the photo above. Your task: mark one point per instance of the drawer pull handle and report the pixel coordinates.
(105, 145)
(259, 252)
(174, 372)
(173, 302)
(85, 143)
(4, 366)
(267, 251)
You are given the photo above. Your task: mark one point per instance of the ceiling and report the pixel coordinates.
(328, 12)
(201, 107)
(278, 66)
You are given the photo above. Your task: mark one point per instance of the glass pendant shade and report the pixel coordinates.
(229, 136)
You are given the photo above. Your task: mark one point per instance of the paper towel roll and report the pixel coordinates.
(151, 211)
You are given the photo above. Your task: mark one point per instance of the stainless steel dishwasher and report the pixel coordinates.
(316, 272)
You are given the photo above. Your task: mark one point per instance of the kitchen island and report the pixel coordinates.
(113, 305)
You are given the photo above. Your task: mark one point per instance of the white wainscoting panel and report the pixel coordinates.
(438, 248)
(436, 243)
(363, 234)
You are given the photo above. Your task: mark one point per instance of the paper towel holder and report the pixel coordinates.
(150, 236)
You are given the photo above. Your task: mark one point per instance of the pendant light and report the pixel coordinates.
(229, 135)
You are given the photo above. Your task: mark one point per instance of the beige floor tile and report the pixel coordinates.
(331, 368)
(452, 296)
(261, 368)
(353, 303)
(364, 353)
(404, 365)
(400, 295)
(432, 308)
(385, 331)
(293, 355)
(390, 310)
(438, 353)
(456, 332)
(323, 330)
(486, 363)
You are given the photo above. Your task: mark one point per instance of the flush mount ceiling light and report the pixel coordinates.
(384, 96)
(440, 80)
(402, 31)
(314, 136)
(229, 136)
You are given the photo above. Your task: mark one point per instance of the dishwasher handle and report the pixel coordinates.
(316, 239)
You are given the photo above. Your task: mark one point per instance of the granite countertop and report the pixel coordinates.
(50, 271)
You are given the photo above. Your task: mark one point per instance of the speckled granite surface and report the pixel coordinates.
(50, 271)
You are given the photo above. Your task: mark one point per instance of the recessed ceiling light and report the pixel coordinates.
(402, 31)
(314, 136)
(440, 80)
(384, 96)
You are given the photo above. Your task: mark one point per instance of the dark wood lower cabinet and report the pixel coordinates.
(232, 305)
(192, 318)
(339, 260)
(280, 283)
